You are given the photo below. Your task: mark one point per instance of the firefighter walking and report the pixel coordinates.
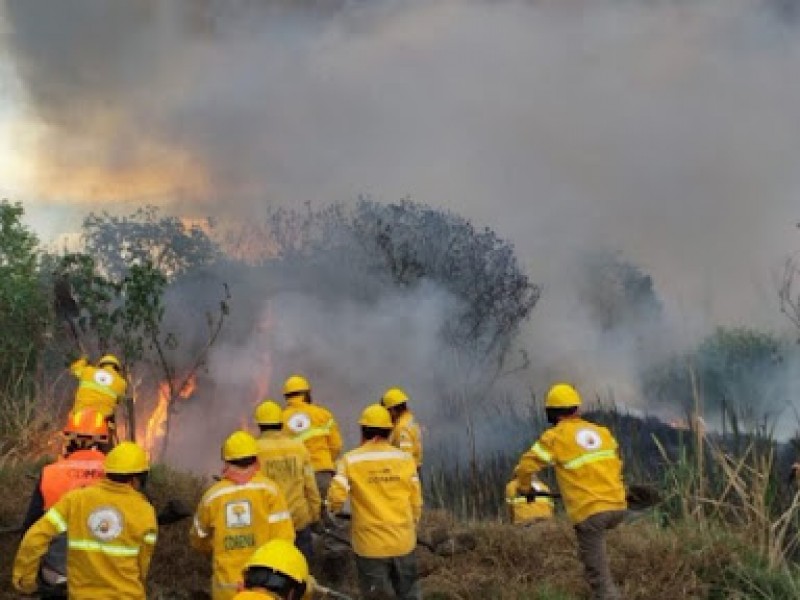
(81, 463)
(386, 502)
(239, 513)
(406, 433)
(287, 462)
(313, 425)
(589, 475)
(110, 529)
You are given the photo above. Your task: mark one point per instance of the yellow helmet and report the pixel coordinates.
(282, 557)
(377, 416)
(562, 395)
(394, 397)
(127, 459)
(110, 359)
(239, 444)
(268, 412)
(295, 385)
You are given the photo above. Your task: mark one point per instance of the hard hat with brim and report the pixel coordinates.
(127, 459)
(296, 384)
(394, 397)
(282, 557)
(562, 395)
(268, 412)
(376, 416)
(109, 359)
(239, 445)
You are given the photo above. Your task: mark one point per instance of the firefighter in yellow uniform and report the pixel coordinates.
(287, 462)
(406, 433)
(314, 426)
(238, 514)
(276, 570)
(100, 387)
(589, 475)
(386, 504)
(111, 533)
(524, 511)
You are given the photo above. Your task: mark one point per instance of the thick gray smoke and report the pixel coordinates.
(663, 130)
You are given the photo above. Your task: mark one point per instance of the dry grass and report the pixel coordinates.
(504, 562)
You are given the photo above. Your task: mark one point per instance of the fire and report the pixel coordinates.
(156, 423)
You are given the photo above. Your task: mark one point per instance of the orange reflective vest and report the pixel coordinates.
(79, 469)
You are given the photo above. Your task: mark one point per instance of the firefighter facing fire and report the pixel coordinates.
(287, 463)
(99, 387)
(81, 463)
(236, 515)
(314, 426)
(589, 475)
(406, 433)
(110, 529)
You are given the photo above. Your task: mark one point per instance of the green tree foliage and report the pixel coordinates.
(24, 310)
(738, 372)
(147, 237)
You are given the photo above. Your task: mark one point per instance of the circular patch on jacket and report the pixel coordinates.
(299, 422)
(105, 523)
(103, 377)
(589, 439)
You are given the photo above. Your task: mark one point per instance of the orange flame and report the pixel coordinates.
(157, 421)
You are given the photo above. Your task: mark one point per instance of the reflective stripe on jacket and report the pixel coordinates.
(316, 428)
(79, 469)
(587, 464)
(111, 532)
(287, 463)
(521, 510)
(407, 436)
(99, 389)
(232, 521)
(385, 498)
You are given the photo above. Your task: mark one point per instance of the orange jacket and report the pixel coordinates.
(99, 389)
(79, 469)
(587, 464)
(316, 428)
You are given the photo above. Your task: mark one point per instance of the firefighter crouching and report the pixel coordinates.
(406, 433)
(110, 528)
(527, 510)
(386, 503)
(589, 475)
(288, 463)
(81, 463)
(314, 426)
(238, 514)
(276, 570)
(99, 387)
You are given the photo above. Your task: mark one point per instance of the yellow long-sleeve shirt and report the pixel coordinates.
(111, 532)
(407, 436)
(587, 465)
(99, 389)
(385, 497)
(316, 428)
(288, 463)
(232, 521)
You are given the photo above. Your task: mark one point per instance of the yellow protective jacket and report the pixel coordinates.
(111, 532)
(251, 595)
(232, 521)
(587, 464)
(287, 463)
(385, 499)
(316, 428)
(521, 511)
(407, 436)
(99, 389)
